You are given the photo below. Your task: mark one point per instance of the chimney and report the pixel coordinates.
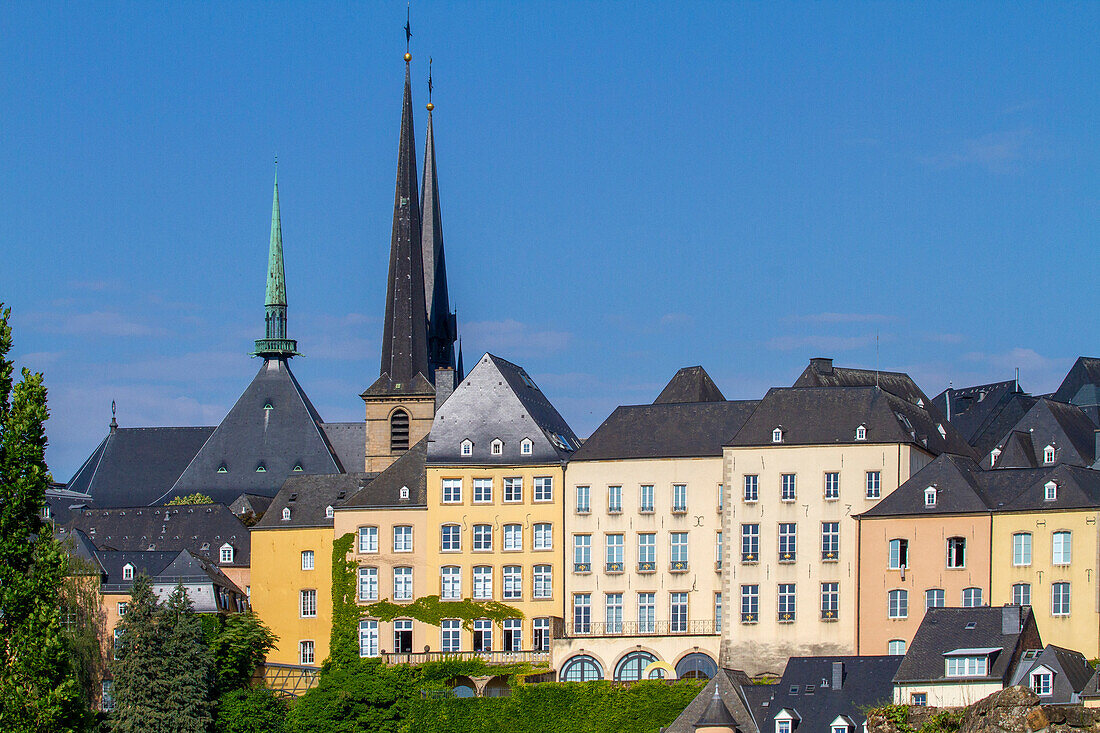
(1010, 620)
(838, 675)
(821, 365)
(444, 385)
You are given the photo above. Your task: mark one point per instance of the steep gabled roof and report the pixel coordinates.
(821, 373)
(252, 436)
(384, 491)
(730, 685)
(674, 430)
(1072, 671)
(308, 497)
(135, 466)
(957, 480)
(1064, 426)
(1081, 385)
(499, 400)
(970, 408)
(690, 384)
(349, 440)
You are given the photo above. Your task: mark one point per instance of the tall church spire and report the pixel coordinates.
(405, 331)
(275, 344)
(442, 323)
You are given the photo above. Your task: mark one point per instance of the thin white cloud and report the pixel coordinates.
(822, 343)
(944, 338)
(997, 152)
(829, 317)
(513, 338)
(93, 324)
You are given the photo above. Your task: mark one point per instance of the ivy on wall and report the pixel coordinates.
(430, 610)
(344, 637)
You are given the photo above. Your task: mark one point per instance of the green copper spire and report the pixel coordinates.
(275, 344)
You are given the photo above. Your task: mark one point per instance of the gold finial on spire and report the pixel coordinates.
(430, 105)
(408, 33)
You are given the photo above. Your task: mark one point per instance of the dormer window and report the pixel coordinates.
(930, 496)
(496, 447)
(329, 513)
(404, 493)
(1050, 491)
(467, 448)
(1042, 681)
(223, 469)
(861, 433)
(226, 553)
(267, 406)
(841, 724)
(127, 572)
(786, 719)
(298, 467)
(286, 514)
(993, 456)
(777, 435)
(261, 469)
(526, 447)
(1048, 454)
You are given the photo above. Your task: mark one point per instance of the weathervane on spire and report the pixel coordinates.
(408, 31)
(430, 105)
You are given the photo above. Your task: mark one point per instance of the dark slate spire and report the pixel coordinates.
(275, 344)
(405, 334)
(716, 714)
(442, 323)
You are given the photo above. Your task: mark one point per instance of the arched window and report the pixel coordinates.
(329, 512)
(861, 433)
(581, 668)
(1048, 454)
(286, 513)
(631, 666)
(399, 431)
(697, 666)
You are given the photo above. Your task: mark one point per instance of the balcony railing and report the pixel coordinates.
(647, 566)
(749, 557)
(642, 628)
(678, 566)
(582, 567)
(531, 657)
(613, 567)
(830, 555)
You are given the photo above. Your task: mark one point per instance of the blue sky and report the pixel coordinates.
(626, 189)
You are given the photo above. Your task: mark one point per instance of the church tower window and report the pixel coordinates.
(399, 431)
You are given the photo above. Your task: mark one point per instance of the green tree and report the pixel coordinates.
(186, 666)
(352, 697)
(195, 498)
(39, 688)
(140, 686)
(238, 642)
(250, 710)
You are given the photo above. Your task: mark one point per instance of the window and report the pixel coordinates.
(116, 647)
(402, 584)
(544, 587)
(1021, 594)
(678, 613)
(329, 512)
(783, 725)
(750, 603)
(286, 514)
(956, 552)
(679, 544)
(452, 491)
(467, 448)
(614, 499)
(127, 572)
(647, 551)
(752, 488)
(993, 456)
(583, 500)
(718, 612)
(108, 698)
(544, 488)
(861, 433)
(513, 490)
(934, 598)
(542, 634)
(399, 431)
(582, 552)
(450, 632)
(613, 613)
(402, 538)
(1048, 454)
(450, 538)
(513, 635)
(1059, 599)
(368, 584)
(679, 498)
(632, 666)
(647, 612)
(307, 559)
(614, 553)
(513, 537)
(261, 468)
(645, 498)
(483, 582)
(1063, 548)
(750, 542)
(918, 699)
(898, 606)
(368, 539)
(830, 541)
(1021, 548)
(874, 484)
(896, 647)
(307, 603)
(721, 496)
(496, 447)
(972, 597)
(930, 496)
(1050, 491)
(777, 435)
(788, 491)
(403, 636)
(788, 541)
(483, 537)
(718, 550)
(452, 582)
(526, 446)
(832, 485)
(305, 652)
(513, 582)
(404, 493)
(966, 666)
(368, 638)
(483, 490)
(1042, 682)
(899, 554)
(830, 601)
(786, 602)
(582, 613)
(123, 606)
(226, 553)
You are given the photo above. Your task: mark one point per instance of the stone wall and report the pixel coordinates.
(1013, 710)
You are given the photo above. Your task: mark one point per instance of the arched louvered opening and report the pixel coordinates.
(399, 431)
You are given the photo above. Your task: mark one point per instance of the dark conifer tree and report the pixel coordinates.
(188, 668)
(140, 685)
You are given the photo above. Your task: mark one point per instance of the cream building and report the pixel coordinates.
(643, 575)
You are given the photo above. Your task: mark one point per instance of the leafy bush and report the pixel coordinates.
(250, 710)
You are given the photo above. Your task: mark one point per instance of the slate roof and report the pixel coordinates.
(201, 529)
(135, 466)
(1072, 672)
(660, 430)
(807, 688)
(349, 440)
(246, 503)
(821, 373)
(64, 504)
(690, 384)
(1058, 424)
(384, 491)
(1081, 385)
(498, 399)
(251, 436)
(831, 415)
(165, 569)
(971, 407)
(944, 630)
(730, 684)
(308, 496)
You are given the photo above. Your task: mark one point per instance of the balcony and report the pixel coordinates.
(678, 566)
(536, 658)
(635, 628)
(647, 566)
(582, 567)
(830, 555)
(829, 614)
(786, 557)
(749, 557)
(749, 618)
(613, 567)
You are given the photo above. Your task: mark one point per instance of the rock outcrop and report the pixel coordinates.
(1012, 710)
